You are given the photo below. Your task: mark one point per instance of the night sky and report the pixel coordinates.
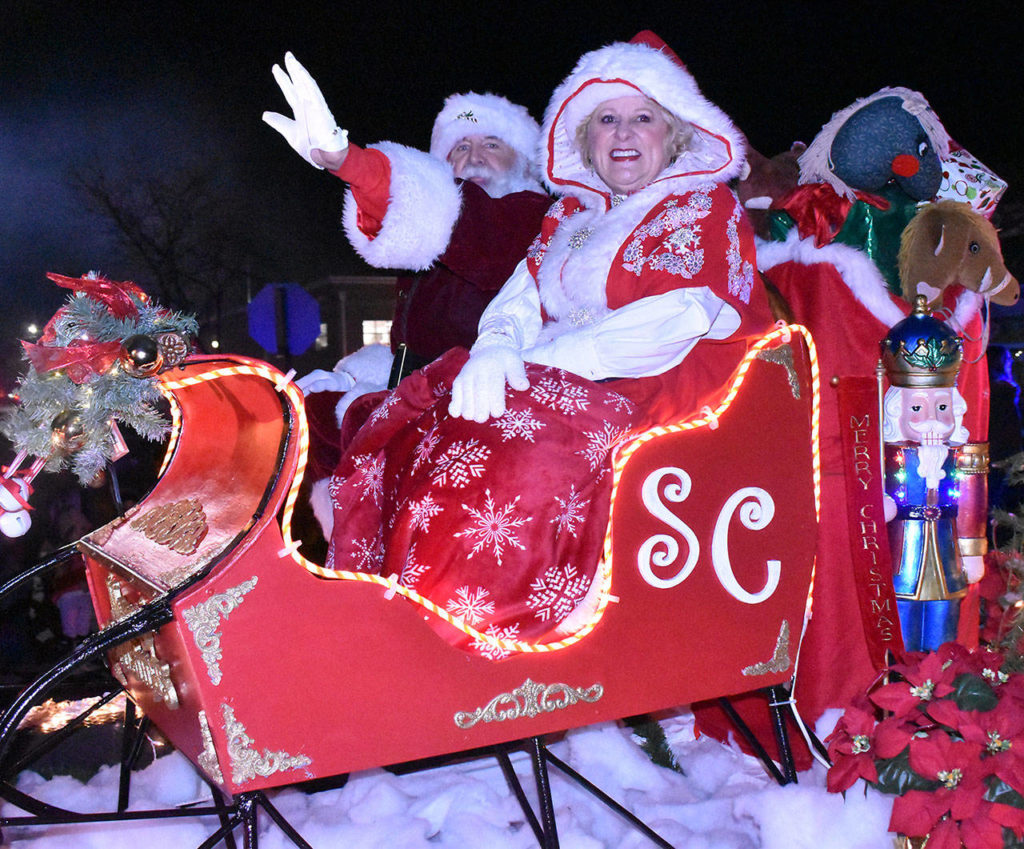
(155, 86)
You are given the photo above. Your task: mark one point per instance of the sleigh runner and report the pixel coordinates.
(265, 669)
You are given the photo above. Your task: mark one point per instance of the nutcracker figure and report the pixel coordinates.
(927, 471)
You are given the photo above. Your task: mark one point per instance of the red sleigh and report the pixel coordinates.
(250, 660)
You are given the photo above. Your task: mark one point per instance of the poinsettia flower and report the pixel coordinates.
(850, 749)
(1000, 733)
(956, 764)
(924, 680)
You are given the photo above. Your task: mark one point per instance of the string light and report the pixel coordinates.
(706, 418)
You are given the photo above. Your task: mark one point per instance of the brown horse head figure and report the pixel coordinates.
(948, 243)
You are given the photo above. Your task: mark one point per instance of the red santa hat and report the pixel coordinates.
(487, 115)
(645, 65)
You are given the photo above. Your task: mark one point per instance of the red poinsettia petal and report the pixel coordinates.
(946, 712)
(945, 835)
(891, 737)
(916, 812)
(1007, 815)
(847, 769)
(896, 698)
(981, 831)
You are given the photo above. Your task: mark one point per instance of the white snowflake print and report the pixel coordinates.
(370, 471)
(383, 408)
(413, 570)
(494, 527)
(741, 273)
(517, 423)
(679, 250)
(369, 555)
(555, 595)
(619, 403)
(334, 487)
(485, 649)
(426, 447)
(599, 443)
(571, 514)
(459, 462)
(470, 606)
(557, 393)
(423, 511)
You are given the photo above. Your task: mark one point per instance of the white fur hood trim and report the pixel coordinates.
(423, 208)
(718, 149)
(857, 270)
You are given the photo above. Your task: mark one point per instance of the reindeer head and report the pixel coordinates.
(949, 243)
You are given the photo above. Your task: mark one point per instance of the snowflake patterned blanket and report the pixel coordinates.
(500, 523)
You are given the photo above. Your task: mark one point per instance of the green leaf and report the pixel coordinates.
(1000, 791)
(972, 692)
(896, 777)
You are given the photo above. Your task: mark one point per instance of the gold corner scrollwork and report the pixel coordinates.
(780, 660)
(208, 756)
(247, 762)
(783, 356)
(529, 699)
(204, 619)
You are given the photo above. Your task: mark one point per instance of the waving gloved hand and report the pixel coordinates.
(478, 393)
(314, 126)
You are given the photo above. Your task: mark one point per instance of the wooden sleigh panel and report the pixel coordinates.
(269, 674)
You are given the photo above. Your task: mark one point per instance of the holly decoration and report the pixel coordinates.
(94, 367)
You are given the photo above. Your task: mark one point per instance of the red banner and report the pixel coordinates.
(869, 540)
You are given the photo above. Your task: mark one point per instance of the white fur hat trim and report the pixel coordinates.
(487, 115)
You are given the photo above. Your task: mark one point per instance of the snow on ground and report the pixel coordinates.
(725, 801)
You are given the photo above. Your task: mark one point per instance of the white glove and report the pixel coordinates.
(314, 125)
(319, 380)
(478, 393)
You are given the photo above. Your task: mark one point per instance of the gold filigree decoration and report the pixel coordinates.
(180, 525)
(246, 762)
(204, 619)
(529, 699)
(180, 574)
(138, 655)
(783, 356)
(208, 756)
(120, 607)
(780, 660)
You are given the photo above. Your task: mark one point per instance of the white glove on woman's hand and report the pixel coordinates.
(314, 125)
(478, 393)
(319, 380)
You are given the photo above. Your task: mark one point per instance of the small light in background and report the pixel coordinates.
(215, 344)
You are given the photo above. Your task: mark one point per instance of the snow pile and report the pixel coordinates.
(725, 801)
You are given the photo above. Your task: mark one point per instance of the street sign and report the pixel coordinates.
(284, 318)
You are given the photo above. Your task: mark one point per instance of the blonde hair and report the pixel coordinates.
(681, 132)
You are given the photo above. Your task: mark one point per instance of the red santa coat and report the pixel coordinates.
(405, 210)
(502, 523)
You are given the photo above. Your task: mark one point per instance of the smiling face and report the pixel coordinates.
(481, 159)
(628, 140)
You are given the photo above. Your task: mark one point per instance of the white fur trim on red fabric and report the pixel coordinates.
(323, 509)
(716, 155)
(858, 272)
(486, 115)
(423, 208)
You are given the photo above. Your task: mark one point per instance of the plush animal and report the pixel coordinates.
(948, 243)
(766, 181)
(890, 138)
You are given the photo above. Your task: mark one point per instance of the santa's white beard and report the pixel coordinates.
(499, 184)
(930, 458)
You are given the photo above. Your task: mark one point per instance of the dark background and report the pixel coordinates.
(149, 88)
